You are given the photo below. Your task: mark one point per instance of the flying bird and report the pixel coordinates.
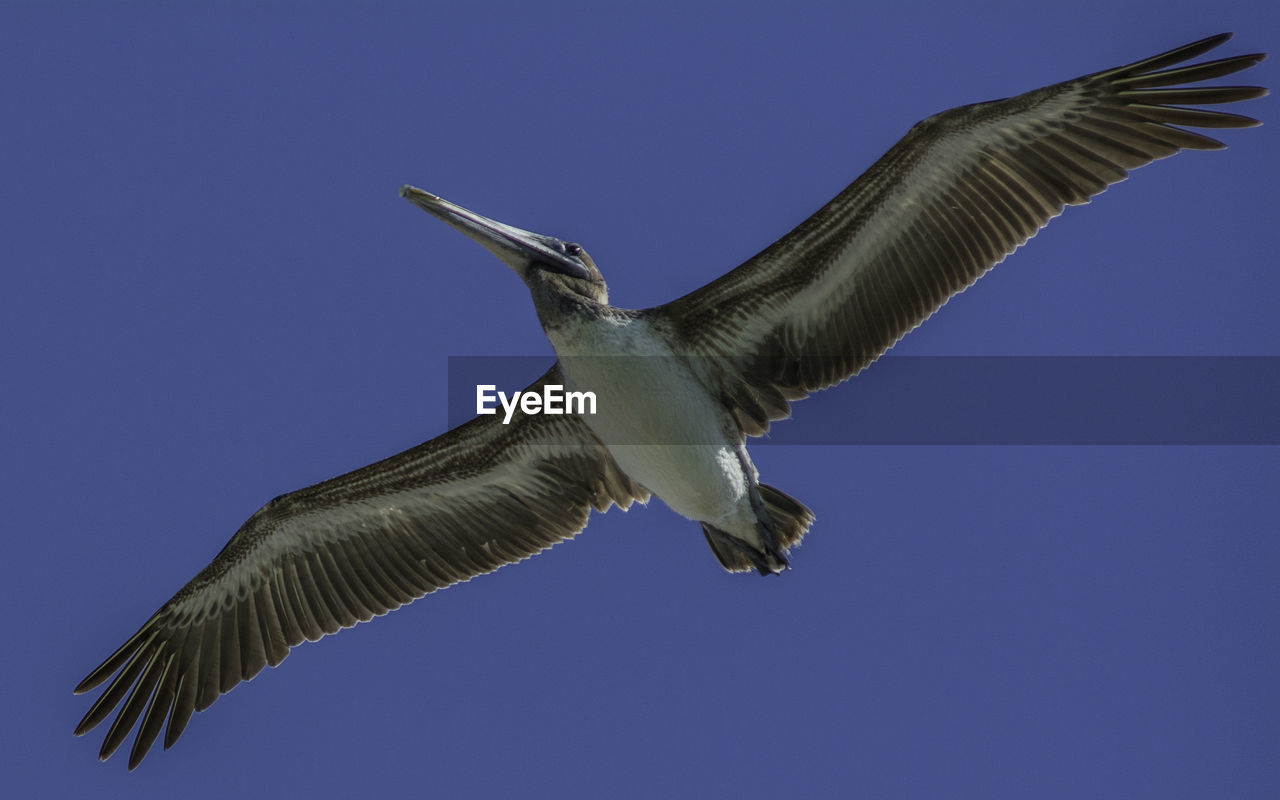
(679, 387)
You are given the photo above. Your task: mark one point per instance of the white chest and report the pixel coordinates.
(662, 426)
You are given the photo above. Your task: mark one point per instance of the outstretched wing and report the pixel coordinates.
(326, 557)
(957, 194)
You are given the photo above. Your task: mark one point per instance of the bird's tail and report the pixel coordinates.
(790, 520)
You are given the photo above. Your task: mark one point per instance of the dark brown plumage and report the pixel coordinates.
(961, 191)
(323, 558)
(957, 194)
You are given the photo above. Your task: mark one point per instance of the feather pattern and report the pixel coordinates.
(957, 194)
(961, 191)
(323, 558)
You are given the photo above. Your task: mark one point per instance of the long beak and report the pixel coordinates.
(515, 247)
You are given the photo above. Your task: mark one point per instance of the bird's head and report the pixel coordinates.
(550, 267)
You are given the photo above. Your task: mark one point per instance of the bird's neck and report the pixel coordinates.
(558, 306)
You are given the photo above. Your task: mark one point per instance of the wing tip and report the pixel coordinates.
(1199, 46)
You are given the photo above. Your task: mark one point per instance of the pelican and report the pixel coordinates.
(680, 387)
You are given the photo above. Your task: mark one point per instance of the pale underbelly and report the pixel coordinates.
(666, 433)
(700, 482)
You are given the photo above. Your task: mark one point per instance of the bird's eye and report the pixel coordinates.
(573, 249)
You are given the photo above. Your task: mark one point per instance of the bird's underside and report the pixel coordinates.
(958, 193)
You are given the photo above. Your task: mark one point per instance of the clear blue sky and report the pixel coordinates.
(212, 295)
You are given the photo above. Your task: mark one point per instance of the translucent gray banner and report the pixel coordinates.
(988, 400)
